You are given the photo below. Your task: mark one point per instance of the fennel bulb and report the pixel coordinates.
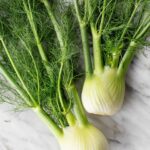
(117, 29)
(103, 93)
(83, 138)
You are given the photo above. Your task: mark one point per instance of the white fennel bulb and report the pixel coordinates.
(103, 93)
(83, 138)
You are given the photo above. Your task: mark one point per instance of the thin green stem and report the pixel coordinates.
(78, 107)
(85, 10)
(85, 41)
(100, 14)
(141, 24)
(36, 69)
(127, 58)
(55, 22)
(113, 8)
(91, 11)
(103, 18)
(34, 30)
(76, 6)
(69, 116)
(59, 89)
(116, 55)
(37, 39)
(14, 85)
(138, 36)
(129, 22)
(17, 72)
(57, 131)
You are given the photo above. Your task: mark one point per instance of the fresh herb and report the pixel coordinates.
(38, 55)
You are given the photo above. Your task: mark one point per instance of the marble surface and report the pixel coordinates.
(128, 130)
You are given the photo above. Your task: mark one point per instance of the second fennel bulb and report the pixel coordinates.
(103, 93)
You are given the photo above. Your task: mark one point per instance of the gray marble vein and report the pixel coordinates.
(127, 130)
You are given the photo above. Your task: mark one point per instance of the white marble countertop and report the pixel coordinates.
(128, 130)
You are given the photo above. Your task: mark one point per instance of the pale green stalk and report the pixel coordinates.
(85, 41)
(66, 111)
(86, 49)
(97, 48)
(57, 131)
(78, 107)
(127, 59)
